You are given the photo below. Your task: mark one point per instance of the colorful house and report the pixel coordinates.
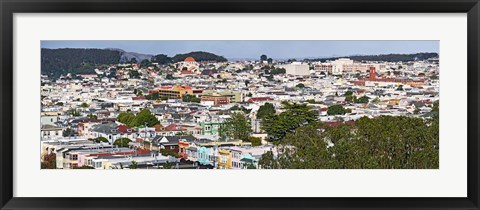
(224, 159)
(210, 128)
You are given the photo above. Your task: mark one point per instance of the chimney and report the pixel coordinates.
(372, 73)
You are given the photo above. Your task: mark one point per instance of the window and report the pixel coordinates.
(172, 147)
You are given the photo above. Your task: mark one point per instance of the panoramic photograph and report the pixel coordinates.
(239, 104)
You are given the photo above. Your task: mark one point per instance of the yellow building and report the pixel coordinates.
(173, 92)
(224, 159)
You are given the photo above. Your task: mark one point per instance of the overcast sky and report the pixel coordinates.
(253, 49)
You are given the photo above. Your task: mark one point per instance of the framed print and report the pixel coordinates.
(239, 105)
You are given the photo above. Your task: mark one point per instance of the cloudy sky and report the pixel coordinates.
(253, 49)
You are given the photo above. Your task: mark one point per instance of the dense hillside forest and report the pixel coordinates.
(199, 56)
(384, 57)
(57, 62)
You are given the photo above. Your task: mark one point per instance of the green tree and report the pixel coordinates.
(161, 59)
(336, 110)
(251, 166)
(126, 118)
(84, 105)
(168, 165)
(241, 108)
(134, 165)
(166, 152)
(385, 142)
(300, 85)
(270, 60)
(145, 63)
(134, 74)
(236, 127)
(256, 141)
(153, 96)
(362, 100)
(263, 57)
(169, 77)
(92, 116)
(74, 112)
(294, 116)
(144, 117)
(68, 132)
(265, 110)
(122, 142)
(190, 98)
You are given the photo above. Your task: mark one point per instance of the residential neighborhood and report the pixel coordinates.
(197, 113)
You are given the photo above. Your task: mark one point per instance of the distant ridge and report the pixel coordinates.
(383, 57)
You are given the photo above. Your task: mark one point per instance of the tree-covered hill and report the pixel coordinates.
(383, 57)
(57, 62)
(199, 56)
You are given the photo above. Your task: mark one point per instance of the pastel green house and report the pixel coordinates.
(210, 128)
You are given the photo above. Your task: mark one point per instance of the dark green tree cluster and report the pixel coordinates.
(134, 74)
(199, 56)
(133, 165)
(295, 115)
(122, 142)
(236, 127)
(265, 110)
(142, 118)
(276, 71)
(337, 110)
(256, 141)
(300, 85)
(167, 152)
(57, 62)
(190, 98)
(153, 96)
(240, 108)
(349, 97)
(381, 143)
(161, 59)
(73, 112)
(68, 132)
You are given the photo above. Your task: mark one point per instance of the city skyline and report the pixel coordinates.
(249, 49)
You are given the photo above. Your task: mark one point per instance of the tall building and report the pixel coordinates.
(297, 68)
(373, 75)
(338, 65)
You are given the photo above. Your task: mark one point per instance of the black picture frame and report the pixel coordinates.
(10, 7)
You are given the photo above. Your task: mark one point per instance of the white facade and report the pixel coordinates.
(297, 68)
(337, 65)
